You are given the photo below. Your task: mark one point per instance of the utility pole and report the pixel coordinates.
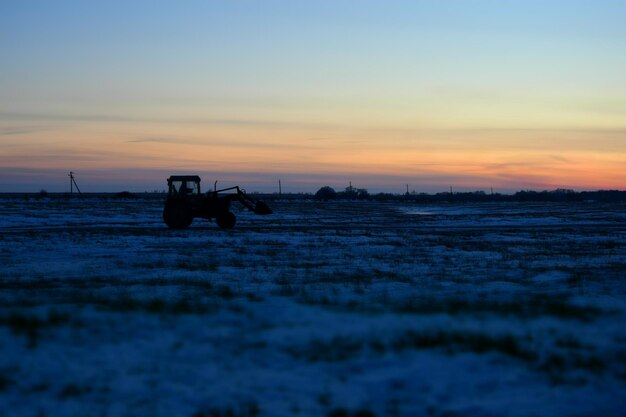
(450, 189)
(407, 189)
(73, 184)
(280, 189)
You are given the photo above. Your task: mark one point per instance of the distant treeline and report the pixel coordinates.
(327, 194)
(559, 195)
(556, 196)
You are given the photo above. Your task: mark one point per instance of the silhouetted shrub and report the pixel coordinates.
(125, 194)
(326, 193)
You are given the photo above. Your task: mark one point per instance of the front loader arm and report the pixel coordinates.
(256, 206)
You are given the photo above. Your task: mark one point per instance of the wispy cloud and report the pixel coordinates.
(116, 118)
(560, 159)
(112, 118)
(20, 130)
(154, 139)
(238, 143)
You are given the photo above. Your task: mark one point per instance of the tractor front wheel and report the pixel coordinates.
(177, 216)
(226, 220)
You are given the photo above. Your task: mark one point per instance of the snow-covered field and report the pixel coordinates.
(321, 309)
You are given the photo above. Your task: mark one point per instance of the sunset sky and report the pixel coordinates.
(527, 94)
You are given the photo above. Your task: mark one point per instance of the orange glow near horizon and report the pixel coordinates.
(507, 159)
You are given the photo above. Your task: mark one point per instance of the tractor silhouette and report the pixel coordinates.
(185, 202)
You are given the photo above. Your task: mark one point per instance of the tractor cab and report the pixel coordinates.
(183, 185)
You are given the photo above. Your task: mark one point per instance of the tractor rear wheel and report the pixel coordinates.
(177, 216)
(226, 220)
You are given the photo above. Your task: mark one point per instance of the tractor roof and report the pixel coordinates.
(184, 178)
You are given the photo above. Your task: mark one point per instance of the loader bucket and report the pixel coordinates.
(261, 208)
